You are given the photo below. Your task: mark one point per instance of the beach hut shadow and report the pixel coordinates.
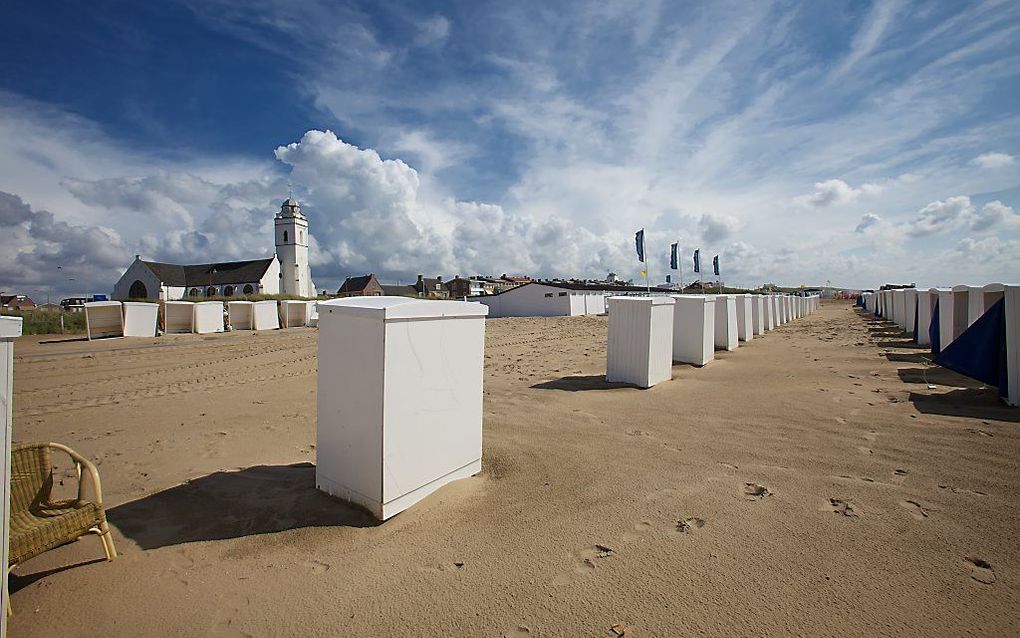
(902, 357)
(581, 384)
(937, 375)
(257, 500)
(975, 403)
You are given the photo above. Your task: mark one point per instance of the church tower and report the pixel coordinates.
(292, 250)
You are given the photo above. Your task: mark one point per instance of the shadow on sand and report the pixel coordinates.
(902, 357)
(257, 500)
(939, 376)
(66, 340)
(976, 403)
(17, 583)
(581, 384)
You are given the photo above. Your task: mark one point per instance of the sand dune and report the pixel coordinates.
(810, 482)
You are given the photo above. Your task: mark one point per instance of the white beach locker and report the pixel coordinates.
(241, 315)
(725, 322)
(768, 312)
(293, 313)
(10, 328)
(777, 311)
(265, 315)
(909, 309)
(399, 398)
(104, 319)
(758, 314)
(178, 316)
(925, 305)
(961, 308)
(745, 317)
(140, 319)
(208, 317)
(694, 329)
(640, 349)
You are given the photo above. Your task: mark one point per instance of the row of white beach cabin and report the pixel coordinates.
(957, 308)
(140, 319)
(647, 334)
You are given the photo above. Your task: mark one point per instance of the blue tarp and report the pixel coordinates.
(933, 328)
(980, 352)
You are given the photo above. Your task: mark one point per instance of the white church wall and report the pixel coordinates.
(137, 271)
(270, 283)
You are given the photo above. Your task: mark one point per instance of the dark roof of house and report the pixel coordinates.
(399, 290)
(592, 287)
(226, 272)
(356, 284)
(25, 300)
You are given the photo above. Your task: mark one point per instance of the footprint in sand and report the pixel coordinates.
(916, 510)
(865, 450)
(979, 432)
(871, 436)
(980, 570)
(638, 433)
(688, 525)
(640, 528)
(316, 567)
(961, 490)
(899, 475)
(755, 492)
(728, 465)
(840, 420)
(841, 507)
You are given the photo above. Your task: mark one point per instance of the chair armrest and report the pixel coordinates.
(82, 462)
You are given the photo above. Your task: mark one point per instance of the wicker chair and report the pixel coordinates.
(38, 523)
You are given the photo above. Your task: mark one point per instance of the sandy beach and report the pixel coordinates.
(811, 482)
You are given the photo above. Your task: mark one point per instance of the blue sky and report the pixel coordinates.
(852, 142)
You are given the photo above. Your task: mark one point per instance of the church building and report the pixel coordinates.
(287, 272)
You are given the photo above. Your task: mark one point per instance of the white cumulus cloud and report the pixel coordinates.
(994, 160)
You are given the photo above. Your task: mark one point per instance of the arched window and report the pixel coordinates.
(301, 236)
(138, 290)
(248, 289)
(285, 237)
(228, 291)
(193, 292)
(210, 291)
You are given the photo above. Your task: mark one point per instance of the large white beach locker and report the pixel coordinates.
(140, 319)
(399, 398)
(640, 349)
(725, 322)
(104, 319)
(694, 329)
(745, 317)
(208, 317)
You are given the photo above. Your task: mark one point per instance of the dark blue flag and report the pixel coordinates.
(674, 261)
(715, 265)
(639, 242)
(697, 260)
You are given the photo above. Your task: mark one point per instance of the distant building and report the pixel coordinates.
(286, 272)
(169, 282)
(460, 287)
(517, 281)
(431, 288)
(362, 286)
(74, 304)
(399, 290)
(557, 299)
(16, 302)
